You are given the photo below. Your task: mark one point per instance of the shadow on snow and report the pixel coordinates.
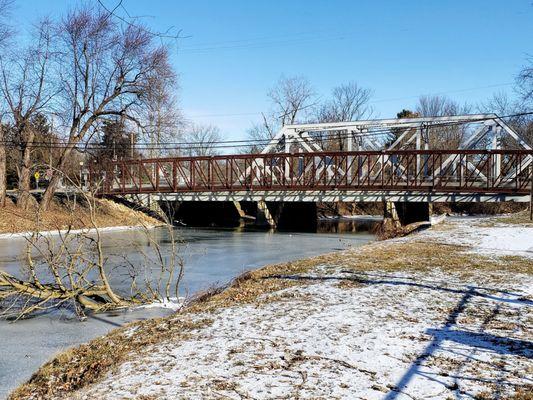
(448, 332)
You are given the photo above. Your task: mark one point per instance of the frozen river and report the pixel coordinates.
(211, 257)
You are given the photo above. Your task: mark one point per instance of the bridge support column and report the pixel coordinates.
(389, 210)
(391, 221)
(264, 217)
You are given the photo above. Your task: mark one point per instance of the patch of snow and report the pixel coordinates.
(515, 239)
(174, 303)
(498, 240)
(437, 219)
(131, 331)
(8, 236)
(362, 217)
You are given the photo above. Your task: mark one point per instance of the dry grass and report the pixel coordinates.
(517, 218)
(61, 216)
(88, 363)
(525, 393)
(421, 256)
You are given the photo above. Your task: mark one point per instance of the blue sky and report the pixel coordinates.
(236, 50)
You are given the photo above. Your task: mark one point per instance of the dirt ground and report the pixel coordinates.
(63, 214)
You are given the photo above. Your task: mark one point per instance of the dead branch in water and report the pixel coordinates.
(72, 268)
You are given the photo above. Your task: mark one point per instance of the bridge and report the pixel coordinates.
(490, 164)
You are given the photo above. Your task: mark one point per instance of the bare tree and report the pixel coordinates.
(523, 123)
(499, 103)
(260, 134)
(439, 106)
(290, 98)
(202, 139)
(26, 92)
(3, 165)
(104, 70)
(525, 83)
(5, 28)
(513, 110)
(164, 121)
(348, 102)
(5, 33)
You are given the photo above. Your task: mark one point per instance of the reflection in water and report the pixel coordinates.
(348, 225)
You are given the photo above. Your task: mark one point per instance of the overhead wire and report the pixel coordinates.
(324, 136)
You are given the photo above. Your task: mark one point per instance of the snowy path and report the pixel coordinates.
(347, 334)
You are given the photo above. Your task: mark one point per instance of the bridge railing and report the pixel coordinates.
(498, 171)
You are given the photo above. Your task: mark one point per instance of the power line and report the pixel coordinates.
(253, 142)
(246, 141)
(184, 146)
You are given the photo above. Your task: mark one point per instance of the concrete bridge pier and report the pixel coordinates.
(263, 215)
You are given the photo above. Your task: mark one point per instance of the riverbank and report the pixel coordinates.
(443, 313)
(64, 214)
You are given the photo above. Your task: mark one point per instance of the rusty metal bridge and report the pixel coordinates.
(492, 163)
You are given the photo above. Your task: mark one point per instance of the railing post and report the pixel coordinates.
(382, 172)
(157, 171)
(174, 175)
(230, 183)
(461, 170)
(489, 164)
(123, 176)
(140, 175)
(210, 173)
(191, 171)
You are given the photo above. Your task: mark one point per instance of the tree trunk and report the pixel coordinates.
(24, 182)
(3, 182)
(54, 182)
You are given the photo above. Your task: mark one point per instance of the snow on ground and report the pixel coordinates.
(173, 303)
(10, 236)
(353, 335)
(495, 240)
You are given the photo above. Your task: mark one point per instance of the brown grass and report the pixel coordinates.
(525, 393)
(61, 216)
(517, 218)
(88, 363)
